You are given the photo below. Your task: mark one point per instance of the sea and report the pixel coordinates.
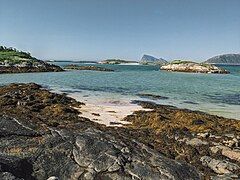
(217, 94)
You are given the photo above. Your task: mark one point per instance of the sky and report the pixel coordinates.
(123, 29)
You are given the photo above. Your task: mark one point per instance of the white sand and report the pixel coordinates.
(106, 111)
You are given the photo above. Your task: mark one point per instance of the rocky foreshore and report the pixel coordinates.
(208, 142)
(186, 66)
(91, 68)
(42, 136)
(29, 69)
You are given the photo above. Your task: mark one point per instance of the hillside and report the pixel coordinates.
(224, 59)
(15, 61)
(14, 56)
(150, 60)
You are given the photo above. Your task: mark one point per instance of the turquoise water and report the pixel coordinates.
(213, 93)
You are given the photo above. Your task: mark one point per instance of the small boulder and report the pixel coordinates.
(196, 142)
(198, 122)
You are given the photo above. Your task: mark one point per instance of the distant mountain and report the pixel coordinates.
(150, 60)
(225, 59)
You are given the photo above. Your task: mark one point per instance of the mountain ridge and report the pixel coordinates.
(148, 59)
(224, 59)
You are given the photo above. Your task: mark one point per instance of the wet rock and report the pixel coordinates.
(219, 166)
(152, 96)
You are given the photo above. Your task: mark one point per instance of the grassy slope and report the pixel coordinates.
(14, 56)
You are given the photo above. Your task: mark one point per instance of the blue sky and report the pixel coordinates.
(127, 29)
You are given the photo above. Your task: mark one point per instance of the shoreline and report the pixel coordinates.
(43, 128)
(109, 112)
(107, 99)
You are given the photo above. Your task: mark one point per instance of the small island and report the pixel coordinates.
(14, 61)
(193, 67)
(116, 61)
(91, 68)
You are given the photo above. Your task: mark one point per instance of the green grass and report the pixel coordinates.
(14, 55)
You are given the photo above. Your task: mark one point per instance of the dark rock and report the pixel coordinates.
(11, 126)
(115, 123)
(15, 168)
(198, 122)
(152, 96)
(95, 114)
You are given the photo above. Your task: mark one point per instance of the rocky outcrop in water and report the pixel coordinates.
(42, 136)
(187, 66)
(44, 67)
(91, 68)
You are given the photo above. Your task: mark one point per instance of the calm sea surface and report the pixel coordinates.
(212, 93)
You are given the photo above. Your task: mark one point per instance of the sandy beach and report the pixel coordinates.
(105, 111)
